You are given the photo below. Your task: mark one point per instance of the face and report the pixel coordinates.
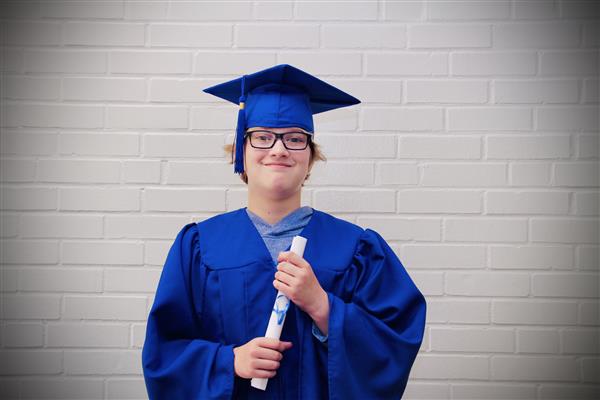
(277, 171)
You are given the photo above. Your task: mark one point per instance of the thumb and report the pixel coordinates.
(285, 345)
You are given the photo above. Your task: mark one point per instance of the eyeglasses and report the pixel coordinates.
(266, 139)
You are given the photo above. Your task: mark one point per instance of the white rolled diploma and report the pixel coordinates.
(278, 313)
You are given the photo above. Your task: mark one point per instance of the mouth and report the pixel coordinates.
(275, 165)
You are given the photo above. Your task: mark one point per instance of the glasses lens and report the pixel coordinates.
(295, 140)
(262, 139)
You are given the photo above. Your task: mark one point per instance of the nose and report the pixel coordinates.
(278, 147)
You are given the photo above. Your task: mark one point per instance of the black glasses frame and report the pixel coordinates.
(278, 136)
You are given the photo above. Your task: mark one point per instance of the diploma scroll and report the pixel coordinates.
(280, 308)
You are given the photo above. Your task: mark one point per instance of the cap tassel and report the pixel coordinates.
(239, 133)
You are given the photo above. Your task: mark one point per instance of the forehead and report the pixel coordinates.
(276, 130)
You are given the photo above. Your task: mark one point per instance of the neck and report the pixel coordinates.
(272, 210)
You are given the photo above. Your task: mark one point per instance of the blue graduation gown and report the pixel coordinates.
(216, 293)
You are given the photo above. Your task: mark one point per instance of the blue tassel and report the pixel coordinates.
(240, 130)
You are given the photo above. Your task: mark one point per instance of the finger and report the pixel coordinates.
(288, 268)
(268, 343)
(268, 354)
(284, 278)
(293, 258)
(261, 373)
(268, 365)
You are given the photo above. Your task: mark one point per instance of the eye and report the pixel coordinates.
(296, 138)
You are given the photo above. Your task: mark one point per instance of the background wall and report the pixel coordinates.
(474, 153)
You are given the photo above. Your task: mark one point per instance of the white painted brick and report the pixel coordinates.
(141, 171)
(444, 256)
(528, 147)
(529, 312)
(496, 284)
(185, 145)
(78, 171)
(577, 341)
(464, 174)
(440, 147)
(536, 92)
(30, 362)
(35, 33)
(13, 170)
(449, 35)
(231, 63)
(87, 335)
(564, 230)
(103, 34)
(53, 115)
(537, 35)
(589, 313)
(344, 120)
(287, 35)
(535, 9)
(105, 308)
(358, 146)
(446, 91)
(138, 334)
(397, 173)
(331, 10)
(82, 9)
(50, 226)
(30, 306)
(439, 201)
(10, 280)
(458, 311)
(580, 9)
(150, 62)
(29, 252)
(432, 366)
(65, 61)
(371, 91)
(197, 36)
(329, 63)
(201, 173)
(486, 340)
(155, 252)
(60, 280)
(589, 146)
(99, 144)
(404, 119)
(341, 200)
(338, 173)
(485, 229)
(146, 227)
(565, 285)
(147, 117)
(577, 174)
(184, 200)
(102, 253)
(404, 10)
(367, 36)
(568, 119)
(425, 391)
(104, 89)
(101, 199)
(61, 388)
(468, 10)
(208, 117)
(569, 63)
(210, 10)
(181, 90)
(105, 362)
(505, 202)
(27, 144)
(588, 257)
(538, 341)
(429, 283)
(591, 32)
(406, 64)
(489, 119)
(22, 335)
(32, 88)
(394, 228)
(590, 368)
(493, 391)
(119, 389)
(538, 368)
(145, 10)
(531, 257)
(495, 63)
(131, 280)
(28, 198)
(264, 10)
(20, 10)
(530, 174)
(9, 226)
(12, 60)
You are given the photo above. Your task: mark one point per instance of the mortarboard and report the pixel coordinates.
(278, 97)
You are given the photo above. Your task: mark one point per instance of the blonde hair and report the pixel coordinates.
(315, 155)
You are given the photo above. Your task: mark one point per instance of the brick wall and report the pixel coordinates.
(474, 153)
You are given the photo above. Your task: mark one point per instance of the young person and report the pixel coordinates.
(356, 319)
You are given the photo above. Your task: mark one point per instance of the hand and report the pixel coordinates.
(296, 279)
(259, 358)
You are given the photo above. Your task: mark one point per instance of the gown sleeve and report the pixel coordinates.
(177, 363)
(374, 338)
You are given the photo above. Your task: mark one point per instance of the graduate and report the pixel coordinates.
(356, 319)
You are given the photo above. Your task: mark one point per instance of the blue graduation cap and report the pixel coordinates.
(278, 97)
